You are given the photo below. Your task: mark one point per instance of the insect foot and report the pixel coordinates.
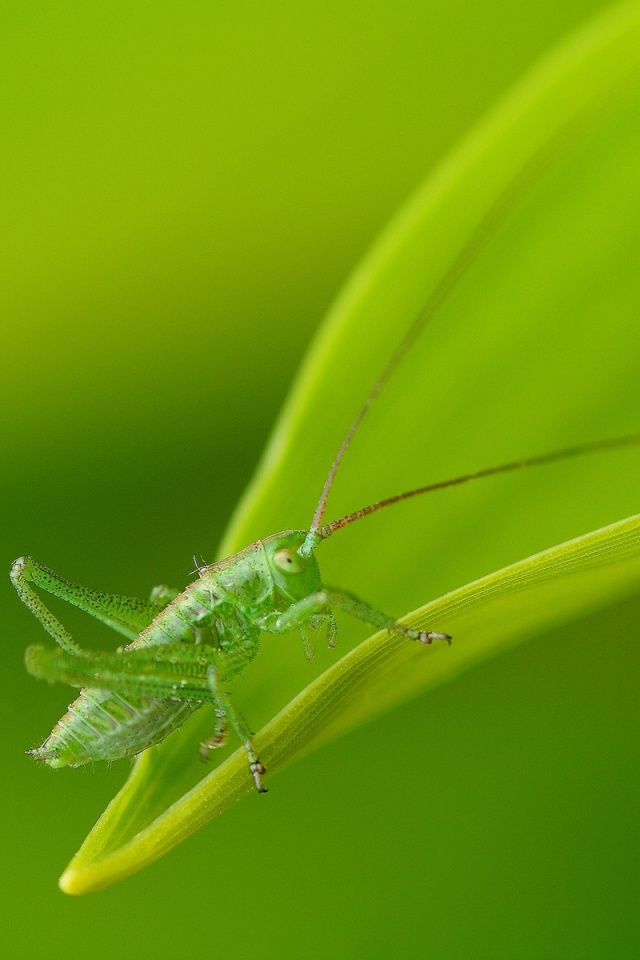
(257, 769)
(427, 637)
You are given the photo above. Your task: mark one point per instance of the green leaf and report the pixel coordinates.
(486, 616)
(526, 242)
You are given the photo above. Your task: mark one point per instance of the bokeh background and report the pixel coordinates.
(185, 188)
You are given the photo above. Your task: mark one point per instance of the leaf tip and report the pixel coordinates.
(75, 882)
(68, 883)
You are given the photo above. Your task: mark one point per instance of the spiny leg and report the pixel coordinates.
(314, 623)
(239, 725)
(127, 615)
(332, 630)
(362, 611)
(307, 642)
(218, 738)
(164, 672)
(318, 603)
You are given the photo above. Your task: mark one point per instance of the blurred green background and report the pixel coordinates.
(185, 188)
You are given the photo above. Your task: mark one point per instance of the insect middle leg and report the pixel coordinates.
(319, 603)
(239, 726)
(218, 738)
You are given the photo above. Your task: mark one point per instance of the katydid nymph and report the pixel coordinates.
(186, 647)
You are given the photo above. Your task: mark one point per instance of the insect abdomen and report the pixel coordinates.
(100, 725)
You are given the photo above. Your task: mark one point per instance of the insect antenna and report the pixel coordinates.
(486, 227)
(316, 524)
(565, 454)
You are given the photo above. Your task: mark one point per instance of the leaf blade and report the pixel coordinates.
(487, 616)
(403, 268)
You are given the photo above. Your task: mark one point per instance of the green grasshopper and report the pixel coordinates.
(186, 647)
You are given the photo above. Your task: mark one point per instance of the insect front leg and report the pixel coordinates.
(239, 726)
(314, 623)
(311, 611)
(126, 615)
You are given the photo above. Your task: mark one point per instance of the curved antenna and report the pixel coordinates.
(407, 343)
(487, 226)
(597, 446)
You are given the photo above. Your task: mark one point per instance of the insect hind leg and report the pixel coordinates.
(26, 571)
(127, 615)
(182, 673)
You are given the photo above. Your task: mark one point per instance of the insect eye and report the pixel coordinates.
(287, 561)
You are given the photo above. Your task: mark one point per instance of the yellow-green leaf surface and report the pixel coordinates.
(525, 239)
